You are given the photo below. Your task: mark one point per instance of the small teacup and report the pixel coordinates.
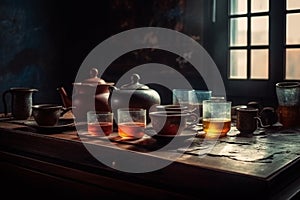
(172, 122)
(247, 120)
(48, 114)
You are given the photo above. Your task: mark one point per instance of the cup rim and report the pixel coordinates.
(131, 109)
(172, 106)
(100, 112)
(217, 101)
(23, 89)
(288, 84)
(46, 106)
(204, 91)
(169, 113)
(247, 109)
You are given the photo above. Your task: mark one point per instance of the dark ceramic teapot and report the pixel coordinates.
(85, 92)
(133, 95)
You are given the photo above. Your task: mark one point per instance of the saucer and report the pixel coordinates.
(62, 124)
(186, 134)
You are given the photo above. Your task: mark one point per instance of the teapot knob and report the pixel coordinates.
(94, 79)
(135, 78)
(94, 73)
(135, 84)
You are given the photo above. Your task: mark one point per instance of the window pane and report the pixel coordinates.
(238, 31)
(259, 64)
(238, 64)
(292, 29)
(260, 30)
(259, 5)
(292, 4)
(292, 64)
(238, 7)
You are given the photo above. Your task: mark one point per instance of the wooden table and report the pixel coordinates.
(60, 163)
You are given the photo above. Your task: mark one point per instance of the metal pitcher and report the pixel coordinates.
(21, 102)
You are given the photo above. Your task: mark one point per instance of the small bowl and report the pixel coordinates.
(171, 122)
(48, 114)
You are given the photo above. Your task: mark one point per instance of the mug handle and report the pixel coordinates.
(4, 102)
(195, 120)
(260, 123)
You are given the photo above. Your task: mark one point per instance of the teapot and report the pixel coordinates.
(89, 90)
(133, 95)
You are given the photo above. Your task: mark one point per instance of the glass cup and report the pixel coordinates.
(216, 117)
(99, 123)
(131, 122)
(181, 96)
(196, 100)
(288, 95)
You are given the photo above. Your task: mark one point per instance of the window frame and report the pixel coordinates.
(217, 41)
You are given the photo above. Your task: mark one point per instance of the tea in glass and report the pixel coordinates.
(288, 96)
(216, 118)
(131, 130)
(99, 123)
(131, 122)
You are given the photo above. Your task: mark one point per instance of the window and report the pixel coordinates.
(249, 39)
(292, 70)
(255, 44)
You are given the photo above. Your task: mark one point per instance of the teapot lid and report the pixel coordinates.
(94, 77)
(135, 84)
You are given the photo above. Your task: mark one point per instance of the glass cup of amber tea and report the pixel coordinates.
(288, 95)
(131, 122)
(216, 118)
(99, 123)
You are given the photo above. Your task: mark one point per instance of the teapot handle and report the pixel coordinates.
(112, 88)
(65, 110)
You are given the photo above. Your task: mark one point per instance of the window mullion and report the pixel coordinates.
(249, 39)
(277, 38)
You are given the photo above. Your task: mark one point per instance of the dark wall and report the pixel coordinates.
(43, 42)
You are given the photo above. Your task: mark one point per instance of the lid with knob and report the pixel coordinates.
(94, 79)
(135, 84)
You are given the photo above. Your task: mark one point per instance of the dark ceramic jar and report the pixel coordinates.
(133, 95)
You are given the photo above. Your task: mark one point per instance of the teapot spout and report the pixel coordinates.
(67, 102)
